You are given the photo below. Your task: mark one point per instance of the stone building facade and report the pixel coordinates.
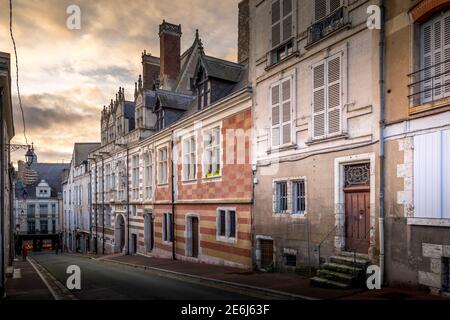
(417, 144)
(6, 171)
(174, 178)
(77, 204)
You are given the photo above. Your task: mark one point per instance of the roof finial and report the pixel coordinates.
(140, 82)
(196, 34)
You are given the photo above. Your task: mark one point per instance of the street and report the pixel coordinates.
(107, 281)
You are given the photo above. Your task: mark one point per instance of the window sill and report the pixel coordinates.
(188, 182)
(163, 184)
(212, 179)
(283, 148)
(287, 58)
(226, 239)
(289, 214)
(326, 139)
(441, 103)
(429, 222)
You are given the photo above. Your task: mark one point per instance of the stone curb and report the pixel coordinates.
(268, 293)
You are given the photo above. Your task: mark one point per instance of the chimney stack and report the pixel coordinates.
(150, 70)
(244, 32)
(170, 46)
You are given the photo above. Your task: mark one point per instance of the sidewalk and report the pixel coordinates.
(26, 284)
(289, 283)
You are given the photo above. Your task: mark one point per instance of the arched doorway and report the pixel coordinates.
(119, 234)
(148, 232)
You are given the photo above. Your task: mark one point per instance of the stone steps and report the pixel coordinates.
(341, 272)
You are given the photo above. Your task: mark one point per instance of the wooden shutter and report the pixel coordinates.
(275, 102)
(437, 59)
(334, 4)
(319, 100)
(276, 23)
(447, 55)
(427, 62)
(427, 175)
(286, 98)
(320, 9)
(334, 95)
(287, 19)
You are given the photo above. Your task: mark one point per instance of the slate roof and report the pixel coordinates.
(149, 99)
(174, 100)
(129, 109)
(82, 150)
(221, 69)
(50, 172)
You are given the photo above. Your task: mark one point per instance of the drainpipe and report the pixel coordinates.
(173, 196)
(90, 204)
(96, 207)
(128, 205)
(382, 126)
(2, 198)
(103, 206)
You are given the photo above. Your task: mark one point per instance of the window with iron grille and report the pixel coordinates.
(281, 197)
(299, 194)
(226, 224)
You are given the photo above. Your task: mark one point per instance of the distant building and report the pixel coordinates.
(38, 204)
(77, 219)
(6, 170)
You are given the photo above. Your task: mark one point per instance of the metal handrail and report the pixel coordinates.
(359, 242)
(430, 67)
(323, 240)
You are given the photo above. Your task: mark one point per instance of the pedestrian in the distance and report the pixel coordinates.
(24, 252)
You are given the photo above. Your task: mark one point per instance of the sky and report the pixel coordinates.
(66, 76)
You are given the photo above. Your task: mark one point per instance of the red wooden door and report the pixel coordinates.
(357, 219)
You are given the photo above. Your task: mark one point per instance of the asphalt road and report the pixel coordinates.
(108, 281)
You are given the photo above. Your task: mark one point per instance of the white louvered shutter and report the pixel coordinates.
(287, 19)
(276, 23)
(286, 98)
(319, 98)
(437, 59)
(276, 119)
(320, 9)
(334, 95)
(447, 55)
(334, 4)
(427, 62)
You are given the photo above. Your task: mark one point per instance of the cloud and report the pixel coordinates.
(66, 76)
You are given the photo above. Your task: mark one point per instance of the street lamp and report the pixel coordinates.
(30, 155)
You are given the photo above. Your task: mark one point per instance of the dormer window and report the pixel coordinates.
(203, 88)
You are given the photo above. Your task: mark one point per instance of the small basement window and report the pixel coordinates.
(446, 282)
(290, 260)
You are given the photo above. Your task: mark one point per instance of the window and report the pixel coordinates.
(281, 52)
(160, 119)
(290, 260)
(53, 226)
(226, 224)
(43, 226)
(435, 58)
(327, 92)
(43, 210)
(135, 176)
(281, 204)
(108, 178)
(282, 21)
(31, 213)
(281, 105)
(168, 227)
(432, 175)
(162, 166)
(323, 8)
(189, 159)
(31, 226)
(299, 193)
(148, 175)
(122, 179)
(53, 210)
(212, 153)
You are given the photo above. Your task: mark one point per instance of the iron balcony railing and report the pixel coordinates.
(430, 84)
(327, 25)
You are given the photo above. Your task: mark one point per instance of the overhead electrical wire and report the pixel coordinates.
(17, 70)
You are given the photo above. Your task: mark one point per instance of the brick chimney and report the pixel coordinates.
(243, 32)
(170, 47)
(150, 70)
